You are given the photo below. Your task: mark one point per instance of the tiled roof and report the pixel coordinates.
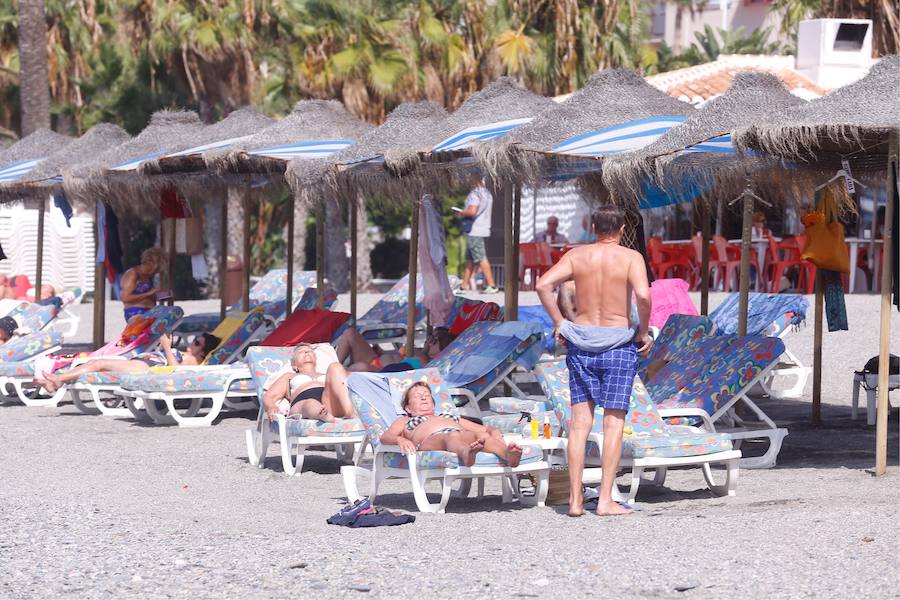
(701, 83)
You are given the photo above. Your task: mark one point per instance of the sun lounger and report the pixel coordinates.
(17, 357)
(649, 443)
(157, 395)
(18, 378)
(33, 317)
(376, 399)
(773, 315)
(294, 434)
(703, 382)
(385, 322)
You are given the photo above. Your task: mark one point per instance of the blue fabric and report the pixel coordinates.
(592, 338)
(133, 311)
(606, 378)
(492, 349)
(835, 306)
(762, 310)
(62, 203)
(537, 314)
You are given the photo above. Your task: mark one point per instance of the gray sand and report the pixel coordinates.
(95, 507)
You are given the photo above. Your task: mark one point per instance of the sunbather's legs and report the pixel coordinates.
(56, 380)
(582, 421)
(351, 343)
(465, 444)
(613, 425)
(336, 396)
(510, 453)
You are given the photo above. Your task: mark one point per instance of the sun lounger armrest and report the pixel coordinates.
(689, 412)
(468, 394)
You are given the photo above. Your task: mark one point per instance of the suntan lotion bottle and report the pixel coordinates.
(546, 428)
(534, 428)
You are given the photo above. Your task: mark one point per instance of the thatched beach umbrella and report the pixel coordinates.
(360, 170)
(859, 125)
(21, 158)
(616, 110)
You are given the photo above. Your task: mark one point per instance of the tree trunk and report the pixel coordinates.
(363, 247)
(301, 212)
(337, 267)
(34, 87)
(212, 228)
(236, 221)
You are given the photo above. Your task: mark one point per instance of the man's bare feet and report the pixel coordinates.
(513, 455)
(611, 509)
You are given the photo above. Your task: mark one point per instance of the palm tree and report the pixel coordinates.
(34, 90)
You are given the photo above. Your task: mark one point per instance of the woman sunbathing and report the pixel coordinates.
(305, 392)
(365, 357)
(422, 429)
(165, 356)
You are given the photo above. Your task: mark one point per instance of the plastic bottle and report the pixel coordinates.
(546, 428)
(534, 428)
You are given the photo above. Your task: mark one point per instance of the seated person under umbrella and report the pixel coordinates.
(366, 357)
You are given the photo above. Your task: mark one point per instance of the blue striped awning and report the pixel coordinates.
(219, 145)
(132, 165)
(480, 133)
(619, 138)
(16, 171)
(306, 149)
(720, 145)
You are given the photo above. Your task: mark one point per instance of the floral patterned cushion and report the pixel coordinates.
(109, 378)
(678, 332)
(28, 346)
(17, 369)
(225, 352)
(186, 380)
(438, 459)
(34, 317)
(273, 285)
(392, 309)
(312, 427)
(198, 323)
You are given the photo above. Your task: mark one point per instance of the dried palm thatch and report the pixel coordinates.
(853, 122)
(675, 163)
(35, 146)
(127, 191)
(502, 100)
(311, 120)
(44, 178)
(351, 170)
(610, 98)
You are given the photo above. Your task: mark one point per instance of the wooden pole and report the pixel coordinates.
(413, 273)
(888, 255)
(39, 267)
(99, 288)
(223, 260)
(517, 222)
(170, 276)
(746, 231)
(245, 280)
(320, 255)
(509, 263)
(289, 296)
(354, 249)
(704, 259)
(816, 416)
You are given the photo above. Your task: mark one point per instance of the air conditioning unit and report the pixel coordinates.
(834, 52)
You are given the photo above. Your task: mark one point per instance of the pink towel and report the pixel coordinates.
(670, 297)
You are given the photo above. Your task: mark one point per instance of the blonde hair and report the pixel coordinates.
(157, 256)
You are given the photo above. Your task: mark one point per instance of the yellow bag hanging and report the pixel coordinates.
(825, 246)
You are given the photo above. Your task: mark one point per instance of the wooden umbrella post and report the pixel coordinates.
(704, 259)
(816, 416)
(517, 223)
(170, 276)
(39, 267)
(320, 256)
(888, 253)
(99, 288)
(289, 295)
(354, 249)
(245, 274)
(413, 273)
(223, 260)
(746, 232)
(509, 262)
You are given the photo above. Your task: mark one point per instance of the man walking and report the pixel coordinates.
(478, 208)
(603, 345)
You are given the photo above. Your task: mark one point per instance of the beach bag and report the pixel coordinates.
(825, 245)
(465, 224)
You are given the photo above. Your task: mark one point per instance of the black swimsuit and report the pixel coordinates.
(313, 392)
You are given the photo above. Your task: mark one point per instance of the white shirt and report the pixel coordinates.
(483, 199)
(545, 236)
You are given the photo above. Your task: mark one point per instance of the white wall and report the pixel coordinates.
(750, 17)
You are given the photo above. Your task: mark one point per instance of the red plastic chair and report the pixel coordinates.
(664, 261)
(729, 267)
(536, 258)
(714, 265)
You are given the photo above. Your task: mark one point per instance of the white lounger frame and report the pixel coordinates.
(14, 388)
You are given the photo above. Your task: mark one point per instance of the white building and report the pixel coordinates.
(676, 24)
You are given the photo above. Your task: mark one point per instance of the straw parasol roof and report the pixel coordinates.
(37, 145)
(404, 128)
(45, 176)
(610, 98)
(853, 122)
(751, 97)
(311, 120)
(96, 177)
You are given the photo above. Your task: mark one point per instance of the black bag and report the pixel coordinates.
(465, 224)
(893, 365)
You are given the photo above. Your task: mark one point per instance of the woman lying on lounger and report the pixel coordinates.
(165, 356)
(365, 357)
(308, 393)
(421, 429)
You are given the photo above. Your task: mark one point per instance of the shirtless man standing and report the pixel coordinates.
(603, 344)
